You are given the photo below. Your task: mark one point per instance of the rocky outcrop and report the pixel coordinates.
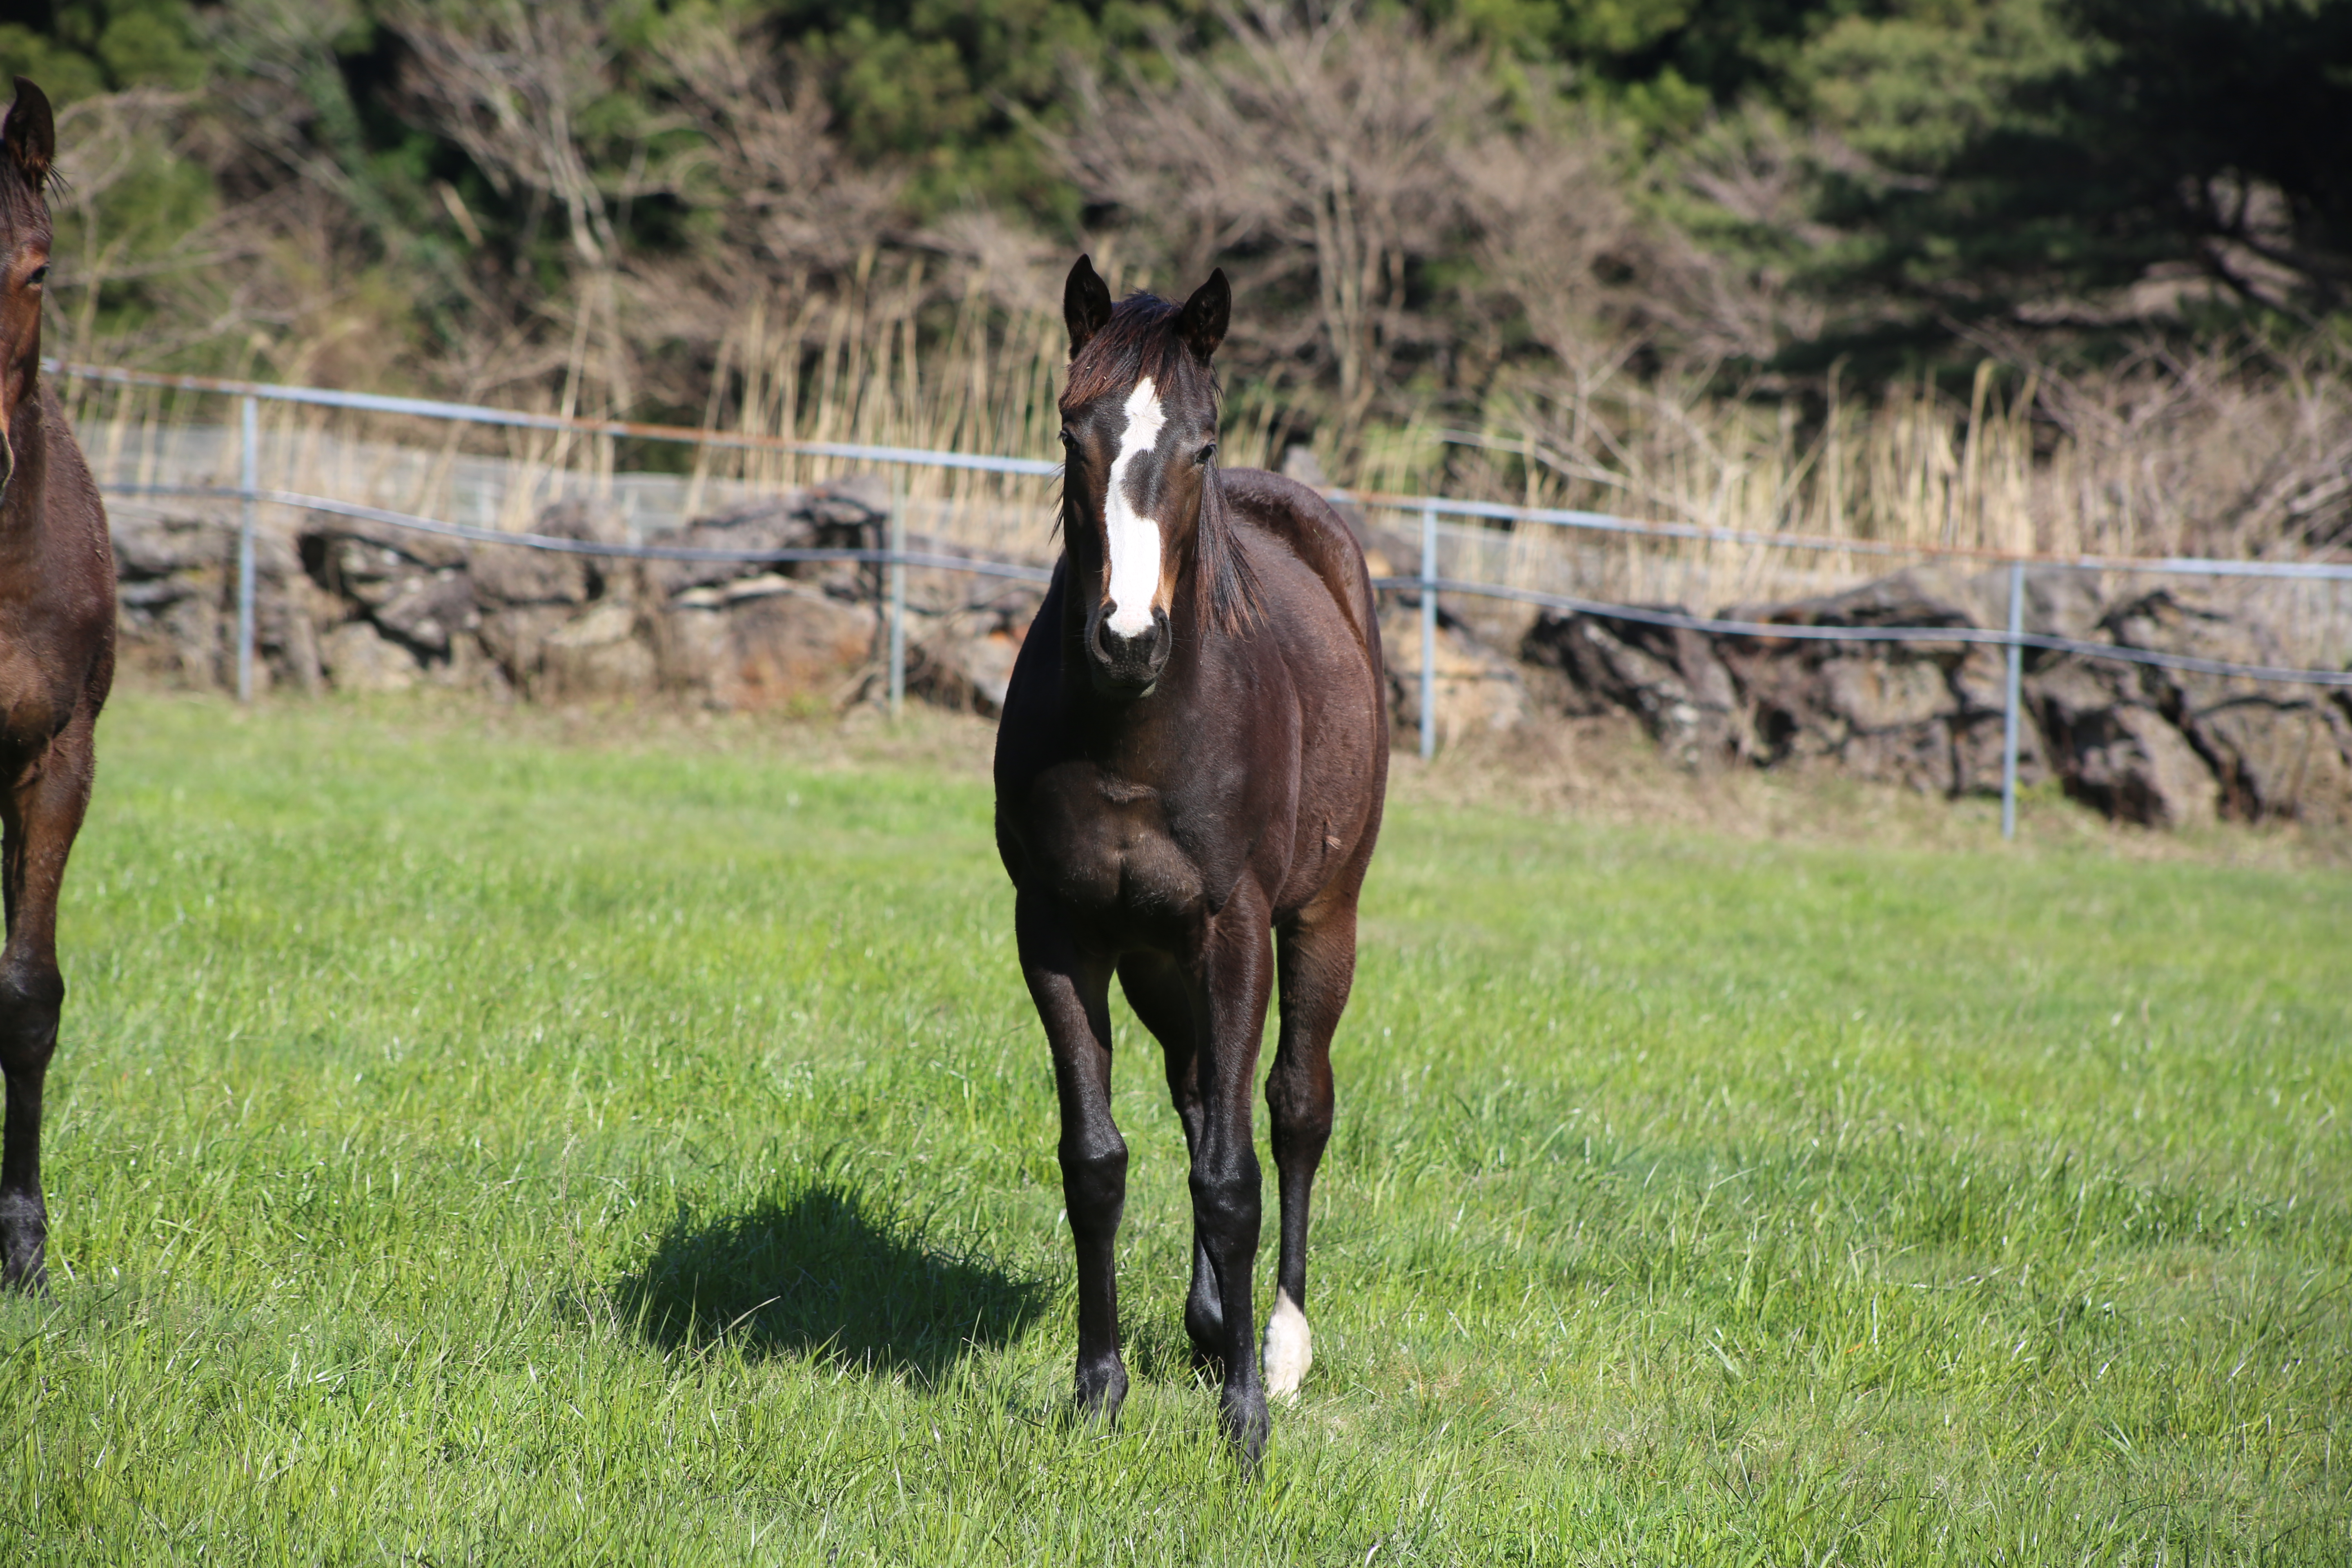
(365, 606)
(1668, 678)
(360, 606)
(2164, 747)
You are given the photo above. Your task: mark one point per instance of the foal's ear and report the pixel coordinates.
(30, 134)
(1086, 304)
(1202, 324)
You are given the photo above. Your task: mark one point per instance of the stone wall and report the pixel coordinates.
(2142, 744)
(356, 606)
(367, 607)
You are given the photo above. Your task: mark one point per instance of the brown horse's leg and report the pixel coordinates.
(1162, 997)
(1236, 971)
(1316, 951)
(40, 811)
(1071, 991)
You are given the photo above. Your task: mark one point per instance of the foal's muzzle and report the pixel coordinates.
(1127, 666)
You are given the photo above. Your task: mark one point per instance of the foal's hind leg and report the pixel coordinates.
(40, 812)
(1316, 956)
(1156, 988)
(1072, 990)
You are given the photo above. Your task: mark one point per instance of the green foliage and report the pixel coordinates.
(1938, 160)
(949, 85)
(470, 1147)
(1915, 89)
(106, 46)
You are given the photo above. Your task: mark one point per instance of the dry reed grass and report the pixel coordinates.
(2244, 454)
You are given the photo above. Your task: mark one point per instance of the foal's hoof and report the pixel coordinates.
(24, 1244)
(21, 1269)
(1245, 1420)
(1101, 1390)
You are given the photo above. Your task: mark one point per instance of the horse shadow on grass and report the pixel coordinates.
(826, 1274)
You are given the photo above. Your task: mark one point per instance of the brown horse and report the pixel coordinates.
(1193, 755)
(56, 661)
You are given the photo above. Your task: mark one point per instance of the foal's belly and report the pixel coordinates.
(1107, 851)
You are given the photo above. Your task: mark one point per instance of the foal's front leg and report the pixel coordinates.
(1236, 971)
(1072, 990)
(1161, 995)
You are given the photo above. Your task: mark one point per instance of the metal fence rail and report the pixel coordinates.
(1427, 584)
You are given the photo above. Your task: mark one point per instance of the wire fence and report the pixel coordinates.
(1500, 535)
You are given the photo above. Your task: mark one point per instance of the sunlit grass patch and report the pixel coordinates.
(469, 1146)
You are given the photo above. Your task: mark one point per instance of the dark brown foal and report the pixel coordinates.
(57, 660)
(1189, 779)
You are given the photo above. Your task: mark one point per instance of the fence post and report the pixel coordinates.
(2009, 710)
(248, 484)
(1428, 633)
(897, 595)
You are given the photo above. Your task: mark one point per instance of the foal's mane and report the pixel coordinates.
(1140, 340)
(23, 195)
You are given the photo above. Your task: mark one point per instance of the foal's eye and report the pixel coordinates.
(40, 275)
(1204, 454)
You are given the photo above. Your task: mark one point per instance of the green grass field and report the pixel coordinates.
(471, 1147)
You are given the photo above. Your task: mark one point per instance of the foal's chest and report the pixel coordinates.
(35, 694)
(1108, 846)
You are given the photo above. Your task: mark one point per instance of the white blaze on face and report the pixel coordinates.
(1134, 538)
(1289, 1348)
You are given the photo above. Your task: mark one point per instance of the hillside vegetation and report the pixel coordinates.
(2006, 272)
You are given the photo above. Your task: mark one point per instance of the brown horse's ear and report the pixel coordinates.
(1086, 304)
(1201, 325)
(30, 134)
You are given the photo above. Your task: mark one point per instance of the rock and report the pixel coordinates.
(2114, 751)
(516, 574)
(2276, 750)
(1477, 689)
(1920, 596)
(174, 592)
(426, 611)
(765, 642)
(850, 505)
(777, 524)
(1669, 677)
(964, 658)
(596, 654)
(586, 521)
(846, 514)
(515, 636)
(360, 658)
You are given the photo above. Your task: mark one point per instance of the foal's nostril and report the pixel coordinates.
(1128, 657)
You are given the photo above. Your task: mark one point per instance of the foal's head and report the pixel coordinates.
(28, 143)
(1139, 431)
